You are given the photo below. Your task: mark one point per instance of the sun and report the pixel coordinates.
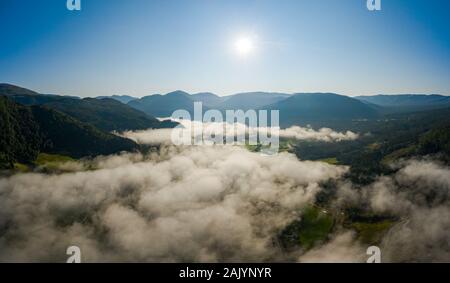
(244, 46)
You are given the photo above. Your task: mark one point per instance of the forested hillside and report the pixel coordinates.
(20, 137)
(107, 114)
(28, 130)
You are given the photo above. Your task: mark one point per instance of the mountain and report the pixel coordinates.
(251, 100)
(24, 96)
(28, 130)
(208, 99)
(106, 114)
(407, 102)
(311, 108)
(164, 105)
(66, 135)
(121, 98)
(9, 90)
(20, 137)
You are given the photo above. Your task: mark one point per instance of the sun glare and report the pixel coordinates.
(244, 46)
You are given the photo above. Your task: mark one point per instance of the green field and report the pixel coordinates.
(313, 228)
(331, 160)
(372, 233)
(51, 161)
(45, 158)
(21, 167)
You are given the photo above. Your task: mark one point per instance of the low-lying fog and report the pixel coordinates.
(213, 204)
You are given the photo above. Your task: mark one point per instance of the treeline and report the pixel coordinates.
(20, 136)
(384, 141)
(28, 130)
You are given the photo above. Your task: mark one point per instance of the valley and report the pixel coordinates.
(58, 136)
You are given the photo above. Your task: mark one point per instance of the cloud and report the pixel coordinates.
(159, 136)
(418, 195)
(323, 134)
(152, 137)
(341, 249)
(215, 204)
(184, 204)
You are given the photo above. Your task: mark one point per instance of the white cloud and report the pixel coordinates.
(190, 204)
(159, 136)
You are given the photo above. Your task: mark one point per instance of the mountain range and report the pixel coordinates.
(121, 98)
(164, 105)
(33, 122)
(122, 112)
(312, 108)
(106, 114)
(406, 102)
(295, 109)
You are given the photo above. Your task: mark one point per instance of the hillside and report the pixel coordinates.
(251, 100)
(121, 98)
(9, 90)
(308, 107)
(404, 135)
(164, 105)
(20, 137)
(24, 96)
(302, 109)
(106, 114)
(67, 136)
(208, 99)
(28, 130)
(407, 102)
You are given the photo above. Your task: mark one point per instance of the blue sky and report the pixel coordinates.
(142, 47)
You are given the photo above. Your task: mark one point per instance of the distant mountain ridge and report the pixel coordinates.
(307, 108)
(106, 114)
(121, 98)
(252, 100)
(164, 105)
(208, 99)
(295, 109)
(406, 99)
(406, 102)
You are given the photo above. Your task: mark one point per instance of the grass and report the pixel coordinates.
(51, 161)
(401, 153)
(331, 160)
(372, 233)
(313, 228)
(45, 158)
(21, 167)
